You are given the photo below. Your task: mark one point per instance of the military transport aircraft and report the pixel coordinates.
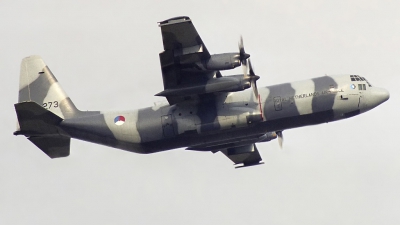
(205, 110)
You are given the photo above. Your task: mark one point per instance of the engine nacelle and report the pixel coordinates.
(225, 61)
(233, 83)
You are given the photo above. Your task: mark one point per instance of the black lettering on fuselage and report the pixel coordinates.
(312, 94)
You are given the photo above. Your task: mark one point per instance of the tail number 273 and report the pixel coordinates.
(49, 105)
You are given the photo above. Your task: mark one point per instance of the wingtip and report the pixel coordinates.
(173, 20)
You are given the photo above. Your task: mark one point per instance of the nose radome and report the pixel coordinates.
(383, 95)
(387, 94)
(378, 96)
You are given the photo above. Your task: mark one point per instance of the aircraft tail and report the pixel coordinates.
(42, 105)
(41, 127)
(38, 84)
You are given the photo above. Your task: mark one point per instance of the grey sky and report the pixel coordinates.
(105, 55)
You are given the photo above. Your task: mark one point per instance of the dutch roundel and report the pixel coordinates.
(119, 120)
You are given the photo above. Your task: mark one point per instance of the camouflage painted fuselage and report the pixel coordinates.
(205, 110)
(223, 118)
(230, 122)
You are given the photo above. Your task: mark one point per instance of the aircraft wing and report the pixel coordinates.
(182, 59)
(179, 34)
(243, 152)
(247, 155)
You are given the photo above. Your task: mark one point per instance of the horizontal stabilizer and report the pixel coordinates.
(54, 147)
(41, 127)
(34, 120)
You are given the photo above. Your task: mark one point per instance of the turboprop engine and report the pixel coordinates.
(225, 61)
(231, 83)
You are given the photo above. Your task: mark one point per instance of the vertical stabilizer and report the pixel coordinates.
(38, 84)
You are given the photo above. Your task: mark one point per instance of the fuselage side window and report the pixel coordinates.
(362, 87)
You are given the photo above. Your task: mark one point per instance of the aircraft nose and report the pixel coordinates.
(378, 96)
(382, 94)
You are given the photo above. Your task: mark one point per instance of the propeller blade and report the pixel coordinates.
(251, 69)
(241, 47)
(244, 68)
(243, 56)
(253, 78)
(280, 138)
(254, 86)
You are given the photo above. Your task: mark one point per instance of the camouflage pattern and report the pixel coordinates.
(38, 84)
(187, 67)
(217, 120)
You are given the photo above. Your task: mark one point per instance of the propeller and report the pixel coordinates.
(243, 56)
(280, 138)
(252, 77)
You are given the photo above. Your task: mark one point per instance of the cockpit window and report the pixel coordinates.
(354, 77)
(358, 78)
(367, 82)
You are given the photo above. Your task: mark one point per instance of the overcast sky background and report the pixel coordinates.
(105, 55)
